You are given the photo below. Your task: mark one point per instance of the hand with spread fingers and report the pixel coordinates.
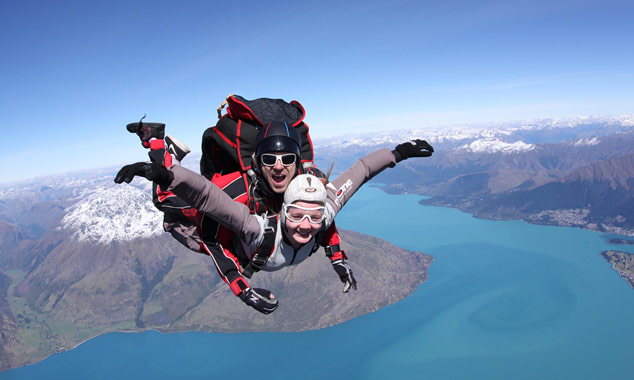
(152, 171)
(414, 148)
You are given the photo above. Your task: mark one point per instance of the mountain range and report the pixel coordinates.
(574, 172)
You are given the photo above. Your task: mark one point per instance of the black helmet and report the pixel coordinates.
(278, 136)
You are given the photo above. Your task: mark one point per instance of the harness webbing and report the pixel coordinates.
(260, 258)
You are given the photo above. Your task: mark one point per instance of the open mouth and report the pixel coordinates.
(278, 178)
(304, 235)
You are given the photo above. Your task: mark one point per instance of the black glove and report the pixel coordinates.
(345, 275)
(260, 299)
(414, 148)
(152, 171)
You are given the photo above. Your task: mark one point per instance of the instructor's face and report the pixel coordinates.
(278, 176)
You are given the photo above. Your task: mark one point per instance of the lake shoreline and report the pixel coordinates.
(622, 262)
(539, 219)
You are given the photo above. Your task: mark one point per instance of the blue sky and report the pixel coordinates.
(74, 73)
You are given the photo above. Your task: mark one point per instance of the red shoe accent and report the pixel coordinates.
(157, 144)
(167, 160)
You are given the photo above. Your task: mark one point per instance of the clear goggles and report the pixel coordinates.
(270, 159)
(297, 214)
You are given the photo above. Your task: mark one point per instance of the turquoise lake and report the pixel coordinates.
(504, 300)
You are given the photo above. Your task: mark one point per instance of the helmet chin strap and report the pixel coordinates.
(255, 164)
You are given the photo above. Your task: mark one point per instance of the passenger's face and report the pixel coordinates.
(278, 176)
(300, 233)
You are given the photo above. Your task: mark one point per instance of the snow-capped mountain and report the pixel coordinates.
(112, 213)
(496, 145)
(526, 132)
(88, 205)
(93, 209)
(586, 141)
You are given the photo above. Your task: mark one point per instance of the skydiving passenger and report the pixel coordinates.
(283, 239)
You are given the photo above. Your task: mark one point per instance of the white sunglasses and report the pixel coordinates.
(270, 159)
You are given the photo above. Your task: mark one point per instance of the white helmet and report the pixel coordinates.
(305, 187)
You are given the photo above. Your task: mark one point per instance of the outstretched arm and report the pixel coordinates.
(202, 195)
(347, 183)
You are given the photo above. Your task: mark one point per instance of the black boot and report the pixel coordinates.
(146, 131)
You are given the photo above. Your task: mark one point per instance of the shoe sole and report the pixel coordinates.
(178, 148)
(134, 127)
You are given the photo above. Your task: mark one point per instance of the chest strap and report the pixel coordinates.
(260, 258)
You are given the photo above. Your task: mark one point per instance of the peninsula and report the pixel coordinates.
(623, 263)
